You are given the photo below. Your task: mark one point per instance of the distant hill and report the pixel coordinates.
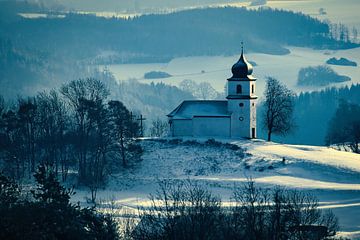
(258, 2)
(25, 71)
(156, 74)
(212, 31)
(64, 48)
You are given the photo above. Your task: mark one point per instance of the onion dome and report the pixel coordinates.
(242, 68)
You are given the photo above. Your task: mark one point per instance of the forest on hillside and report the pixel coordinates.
(212, 31)
(313, 112)
(42, 53)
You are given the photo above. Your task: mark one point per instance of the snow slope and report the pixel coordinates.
(331, 175)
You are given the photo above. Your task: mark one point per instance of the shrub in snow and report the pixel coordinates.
(192, 143)
(175, 141)
(212, 142)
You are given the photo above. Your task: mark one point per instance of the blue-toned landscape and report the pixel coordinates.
(182, 119)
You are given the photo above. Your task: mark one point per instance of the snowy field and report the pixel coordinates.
(332, 176)
(216, 70)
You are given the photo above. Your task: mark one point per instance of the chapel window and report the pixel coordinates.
(238, 89)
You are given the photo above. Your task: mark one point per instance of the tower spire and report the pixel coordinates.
(242, 48)
(242, 68)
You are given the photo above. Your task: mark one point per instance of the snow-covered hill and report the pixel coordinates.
(333, 176)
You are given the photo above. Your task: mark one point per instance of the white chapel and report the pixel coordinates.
(231, 118)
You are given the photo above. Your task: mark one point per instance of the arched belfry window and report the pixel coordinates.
(238, 89)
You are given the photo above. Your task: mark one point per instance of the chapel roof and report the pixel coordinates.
(197, 108)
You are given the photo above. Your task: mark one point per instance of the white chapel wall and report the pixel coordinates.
(182, 127)
(211, 127)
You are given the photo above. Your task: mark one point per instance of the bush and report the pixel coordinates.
(232, 146)
(175, 141)
(192, 143)
(212, 142)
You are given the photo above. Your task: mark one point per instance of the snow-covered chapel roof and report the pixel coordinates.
(200, 108)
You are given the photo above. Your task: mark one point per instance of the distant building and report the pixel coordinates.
(231, 118)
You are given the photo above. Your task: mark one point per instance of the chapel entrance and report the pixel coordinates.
(253, 133)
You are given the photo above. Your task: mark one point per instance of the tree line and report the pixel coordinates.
(343, 33)
(344, 127)
(189, 210)
(74, 128)
(178, 210)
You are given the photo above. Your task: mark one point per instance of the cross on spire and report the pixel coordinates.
(242, 47)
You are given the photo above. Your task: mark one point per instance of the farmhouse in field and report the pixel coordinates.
(231, 118)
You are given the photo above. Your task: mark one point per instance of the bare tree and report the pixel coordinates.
(181, 210)
(12, 146)
(79, 94)
(279, 108)
(188, 210)
(355, 34)
(203, 90)
(188, 85)
(53, 121)
(27, 111)
(124, 128)
(2, 105)
(206, 91)
(73, 128)
(99, 140)
(159, 128)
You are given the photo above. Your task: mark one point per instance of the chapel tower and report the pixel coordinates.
(242, 99)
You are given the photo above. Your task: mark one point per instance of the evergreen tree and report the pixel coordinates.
(344, 127)
(50, 215)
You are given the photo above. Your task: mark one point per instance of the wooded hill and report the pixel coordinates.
(150, 38)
